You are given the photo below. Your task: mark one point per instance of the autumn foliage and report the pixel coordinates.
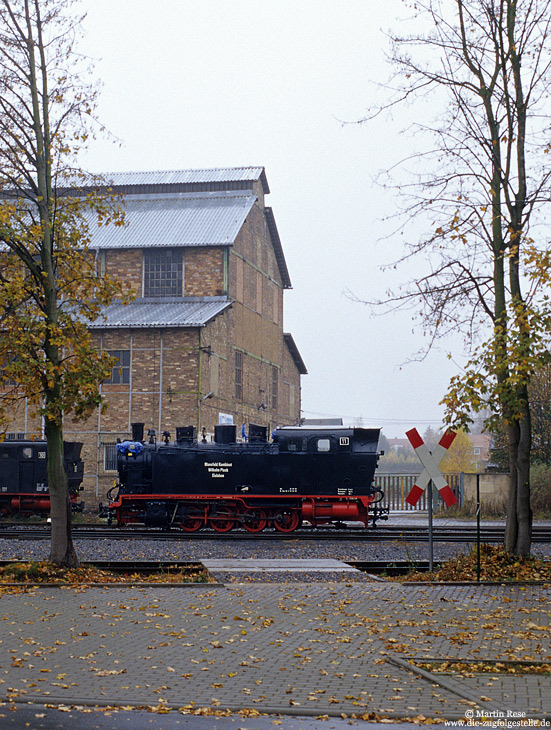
(49, 283)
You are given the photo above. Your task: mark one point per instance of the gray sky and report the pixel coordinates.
(190, 84)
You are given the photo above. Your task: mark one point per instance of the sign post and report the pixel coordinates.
(431, 541)
(430, 475)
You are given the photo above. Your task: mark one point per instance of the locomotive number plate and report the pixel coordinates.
(344, 441)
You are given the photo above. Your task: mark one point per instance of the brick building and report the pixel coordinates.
(203, 341)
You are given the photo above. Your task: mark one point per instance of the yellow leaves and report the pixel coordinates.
(44, 572)
(107, 672)
(496, 564)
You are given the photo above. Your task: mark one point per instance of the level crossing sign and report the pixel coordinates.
(431, 470)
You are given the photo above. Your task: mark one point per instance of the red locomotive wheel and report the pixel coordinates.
(191, 524)
(286, 520)
(222, 520)
(255, 520)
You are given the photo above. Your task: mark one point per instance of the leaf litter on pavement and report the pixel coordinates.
(308, 630)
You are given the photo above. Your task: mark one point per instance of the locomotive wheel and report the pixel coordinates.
(191, 524)
(189, 519)
(286, 520)
(222, 520)
(255, 520)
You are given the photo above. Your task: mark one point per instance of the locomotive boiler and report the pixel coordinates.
(24, 481)
(315, 475)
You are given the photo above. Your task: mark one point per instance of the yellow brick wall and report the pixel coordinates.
(173, 368)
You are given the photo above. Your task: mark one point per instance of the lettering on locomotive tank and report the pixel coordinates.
(288, 490)
(218, 469)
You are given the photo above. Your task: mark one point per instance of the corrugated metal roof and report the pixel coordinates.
(187, 177)
(196, 312)
(278, 249)
(295, 354)
(182, 219)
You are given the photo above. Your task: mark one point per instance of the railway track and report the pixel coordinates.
(387, 533)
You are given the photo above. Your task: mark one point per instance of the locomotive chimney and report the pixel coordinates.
(224, 433)
(185, 433)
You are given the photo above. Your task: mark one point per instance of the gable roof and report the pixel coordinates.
(186, 312)
(278, 249)
(218, 178)
(204, 207)
(295, 354)
(178, 219)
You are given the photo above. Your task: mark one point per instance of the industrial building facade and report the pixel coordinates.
(203, 342)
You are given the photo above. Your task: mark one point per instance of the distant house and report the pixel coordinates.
(203, 342)
(481, 449)
(397, 444)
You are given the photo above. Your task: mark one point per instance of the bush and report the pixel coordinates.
(540, 486)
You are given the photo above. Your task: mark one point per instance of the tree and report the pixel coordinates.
(431, 437)
(481, 187)
(460, 456)
(49, 285)
(540, 409)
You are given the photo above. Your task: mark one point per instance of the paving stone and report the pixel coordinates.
(283, 647)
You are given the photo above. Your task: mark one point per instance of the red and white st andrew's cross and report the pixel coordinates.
(431, 469)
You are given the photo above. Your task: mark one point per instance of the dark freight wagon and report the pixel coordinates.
(317, 475)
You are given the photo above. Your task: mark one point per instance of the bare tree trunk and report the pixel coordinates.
(518, 529)
(524, 510)
(511, 526)
(62, 551)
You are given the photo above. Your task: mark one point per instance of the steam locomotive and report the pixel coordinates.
(318, 475)
(24, 481)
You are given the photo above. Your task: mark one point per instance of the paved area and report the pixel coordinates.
(231, 570)
(305, 649)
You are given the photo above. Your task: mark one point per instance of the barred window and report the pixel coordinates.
(163, 273)
(121, 369)
(110, 457)
(239, 375)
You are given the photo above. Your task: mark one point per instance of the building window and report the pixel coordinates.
(275, 380)
(163, 273)
(239, 375)
(110, 457)
(121, 369)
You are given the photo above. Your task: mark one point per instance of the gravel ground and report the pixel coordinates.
(90, 550)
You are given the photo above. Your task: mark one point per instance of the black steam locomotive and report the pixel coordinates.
(23, 478)
(317, 475)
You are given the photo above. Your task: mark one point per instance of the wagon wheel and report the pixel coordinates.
(222, 520)
(255, 520)
(286, 520)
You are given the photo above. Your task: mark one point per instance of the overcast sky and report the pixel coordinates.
(190, 84)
